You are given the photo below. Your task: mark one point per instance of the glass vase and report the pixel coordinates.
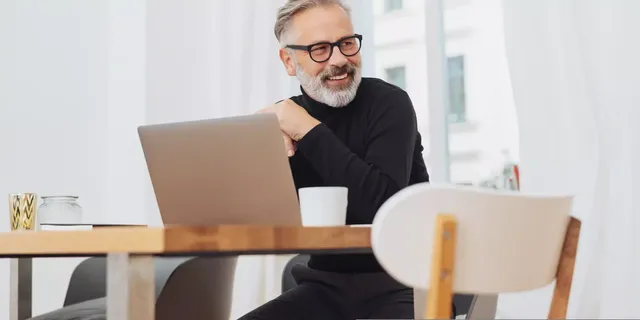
(60, 210)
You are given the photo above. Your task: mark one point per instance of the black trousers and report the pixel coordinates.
(333, 296)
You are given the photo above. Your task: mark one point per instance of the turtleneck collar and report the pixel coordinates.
(318, 109)
(313, 106)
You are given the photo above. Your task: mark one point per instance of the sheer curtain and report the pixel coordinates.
(574, 67)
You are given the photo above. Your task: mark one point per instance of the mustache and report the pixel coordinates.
(335, 71)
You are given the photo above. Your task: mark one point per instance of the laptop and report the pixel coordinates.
(221, 171)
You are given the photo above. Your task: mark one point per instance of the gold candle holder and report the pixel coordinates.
(22, 211)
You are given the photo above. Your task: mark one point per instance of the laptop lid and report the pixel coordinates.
(221, 171)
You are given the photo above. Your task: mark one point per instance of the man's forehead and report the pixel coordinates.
(327, 23)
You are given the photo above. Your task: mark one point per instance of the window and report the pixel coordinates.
(457, 99)
(392, 5)
(396, 76)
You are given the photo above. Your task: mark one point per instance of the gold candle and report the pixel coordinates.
(22, 211)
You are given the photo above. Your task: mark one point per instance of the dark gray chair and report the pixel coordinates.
(186, 288)
(462, 302)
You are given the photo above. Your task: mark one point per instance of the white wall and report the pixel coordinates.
(80, 69)
(70, 88)
(78, 77)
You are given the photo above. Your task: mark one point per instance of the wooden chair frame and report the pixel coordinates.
(440, 294)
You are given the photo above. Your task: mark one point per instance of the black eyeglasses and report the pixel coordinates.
(322, 51)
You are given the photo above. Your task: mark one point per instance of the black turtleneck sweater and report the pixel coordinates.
(371, 146)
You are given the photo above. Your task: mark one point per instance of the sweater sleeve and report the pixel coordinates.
(386, 165)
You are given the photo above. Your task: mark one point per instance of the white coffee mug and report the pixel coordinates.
(323, 206)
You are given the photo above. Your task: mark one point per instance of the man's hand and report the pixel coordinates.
(295, 122)
(288, 144)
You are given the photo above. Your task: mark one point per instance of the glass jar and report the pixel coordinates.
(59, 210)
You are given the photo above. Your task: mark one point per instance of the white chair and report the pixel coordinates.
(447, 239)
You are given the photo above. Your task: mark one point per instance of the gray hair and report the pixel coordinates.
(293, 7)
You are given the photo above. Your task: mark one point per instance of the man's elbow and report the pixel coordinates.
(390, 187)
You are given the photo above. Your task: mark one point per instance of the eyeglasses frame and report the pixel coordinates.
(331, 45)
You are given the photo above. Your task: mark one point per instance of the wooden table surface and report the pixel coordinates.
(185, 240)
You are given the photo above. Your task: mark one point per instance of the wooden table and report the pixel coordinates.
(130, 250)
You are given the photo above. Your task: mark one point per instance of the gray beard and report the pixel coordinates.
(316, 89)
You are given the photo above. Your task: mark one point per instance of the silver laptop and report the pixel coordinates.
(221, 171)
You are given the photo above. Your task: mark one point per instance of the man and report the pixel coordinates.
(344, 130)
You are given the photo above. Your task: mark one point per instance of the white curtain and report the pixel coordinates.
(574, 70)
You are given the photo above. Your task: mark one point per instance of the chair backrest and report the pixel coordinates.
(506, 241)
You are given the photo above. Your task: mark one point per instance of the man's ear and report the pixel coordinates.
(288, 62)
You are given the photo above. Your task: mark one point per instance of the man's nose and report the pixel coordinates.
(337, 58)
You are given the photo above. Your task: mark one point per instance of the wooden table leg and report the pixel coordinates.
(20, 279)
(130, 287)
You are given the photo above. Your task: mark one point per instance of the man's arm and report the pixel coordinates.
(386, 166)
(419, 172)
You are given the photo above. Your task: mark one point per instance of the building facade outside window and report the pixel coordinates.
(482, 136)
(397, 77)
(392, 5)
(457, 98)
